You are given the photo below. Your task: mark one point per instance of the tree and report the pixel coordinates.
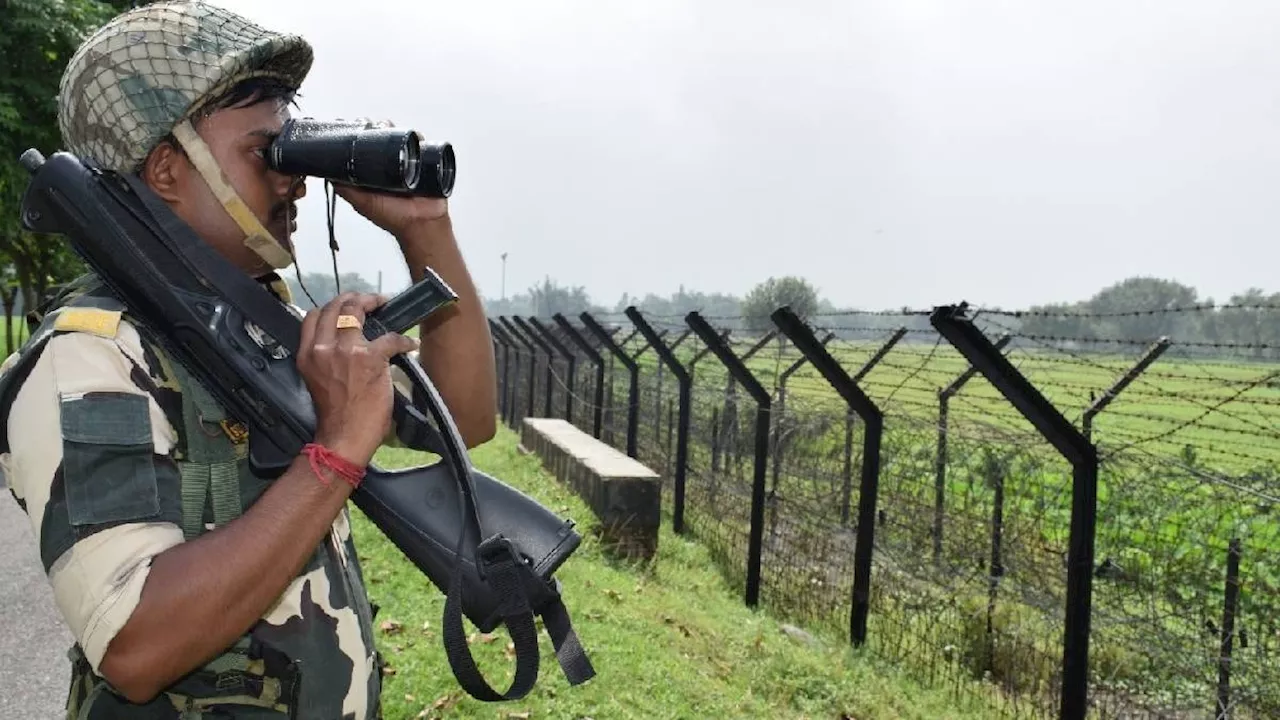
(321, 288)
(39, 38)
(768, 296)
(550, 298)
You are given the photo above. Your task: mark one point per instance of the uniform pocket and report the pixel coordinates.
(108, 458)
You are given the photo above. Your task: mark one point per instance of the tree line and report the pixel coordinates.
(1144, 309)
(1120, 317)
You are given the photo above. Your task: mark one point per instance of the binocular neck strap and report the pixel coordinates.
(256, 236)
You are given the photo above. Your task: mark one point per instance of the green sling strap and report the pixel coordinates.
(210, 470)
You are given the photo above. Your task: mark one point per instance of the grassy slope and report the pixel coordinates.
(671, 641)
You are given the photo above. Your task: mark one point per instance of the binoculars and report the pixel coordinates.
(388, 159)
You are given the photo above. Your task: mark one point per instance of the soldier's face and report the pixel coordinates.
(238, 138)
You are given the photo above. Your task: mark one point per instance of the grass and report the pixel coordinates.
(668, 640)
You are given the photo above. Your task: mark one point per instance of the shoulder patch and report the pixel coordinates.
(96, 321)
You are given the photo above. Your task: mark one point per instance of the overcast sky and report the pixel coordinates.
(893, 153)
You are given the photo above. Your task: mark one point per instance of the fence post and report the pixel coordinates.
(733, 450)
(778, 416)
(682, 422)
(595, 358)
(657, 425)
(517, 348)
(873, 421)
(1153, 353)
(995, 476)
(951, 322)
(737, 368)
(1230, 600)
(644, 346)
(724, 338)
(569, 358)
(940, 463)
(551, 358)
(850, 413)
(657, 412)
(505, 342)
(533, 360)
(633, 370)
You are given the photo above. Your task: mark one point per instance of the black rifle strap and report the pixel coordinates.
(502, 574)
(512, 580)
(569, 651)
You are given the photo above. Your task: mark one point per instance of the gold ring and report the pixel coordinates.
(348, 321)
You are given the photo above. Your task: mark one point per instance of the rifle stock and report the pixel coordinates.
(492, 548)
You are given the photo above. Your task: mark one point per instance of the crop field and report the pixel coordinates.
(973, 509)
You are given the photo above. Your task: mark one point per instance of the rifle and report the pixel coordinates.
(506, 545)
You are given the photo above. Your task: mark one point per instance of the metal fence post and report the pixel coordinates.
(682, 422)
(533, 360)
(1230, 608)
(594, 356)
(940, 462)
(736, 367)
(779, 415)
(633, 370)
(1152, 354)
(502, 340)
(569, 358)
(952, 323)
(551, 358)
(873, 423)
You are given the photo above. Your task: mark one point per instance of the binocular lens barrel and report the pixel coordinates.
(379, 158)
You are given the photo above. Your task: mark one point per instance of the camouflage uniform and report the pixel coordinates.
(116, 453)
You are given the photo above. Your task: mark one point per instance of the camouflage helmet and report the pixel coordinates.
(149, 68)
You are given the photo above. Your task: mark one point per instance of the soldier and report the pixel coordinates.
(192, 588)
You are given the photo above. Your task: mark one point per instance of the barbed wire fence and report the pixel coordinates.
(1032, 509)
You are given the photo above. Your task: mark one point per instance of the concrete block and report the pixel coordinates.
(624, 495)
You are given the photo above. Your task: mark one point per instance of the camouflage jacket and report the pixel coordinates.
(116, 454)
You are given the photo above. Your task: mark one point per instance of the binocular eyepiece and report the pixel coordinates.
(388, 159)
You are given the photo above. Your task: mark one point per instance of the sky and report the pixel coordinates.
(893, 153)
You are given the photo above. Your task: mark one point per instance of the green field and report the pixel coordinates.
(1188, 464)
(670, 640)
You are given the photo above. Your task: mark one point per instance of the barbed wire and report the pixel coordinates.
(1199, 307)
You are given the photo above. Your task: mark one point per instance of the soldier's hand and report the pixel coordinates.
(349, 378)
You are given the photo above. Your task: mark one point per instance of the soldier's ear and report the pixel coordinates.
(165, 171)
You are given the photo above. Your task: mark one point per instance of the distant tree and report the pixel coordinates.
(550, 298)
(321, 288)
(1250, 326)
(1147, 294)
(543, 301)
(768, 296)
(518, 304)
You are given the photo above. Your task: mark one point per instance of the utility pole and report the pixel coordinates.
(504, 276)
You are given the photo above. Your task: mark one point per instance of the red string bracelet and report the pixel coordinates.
(321, 455)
